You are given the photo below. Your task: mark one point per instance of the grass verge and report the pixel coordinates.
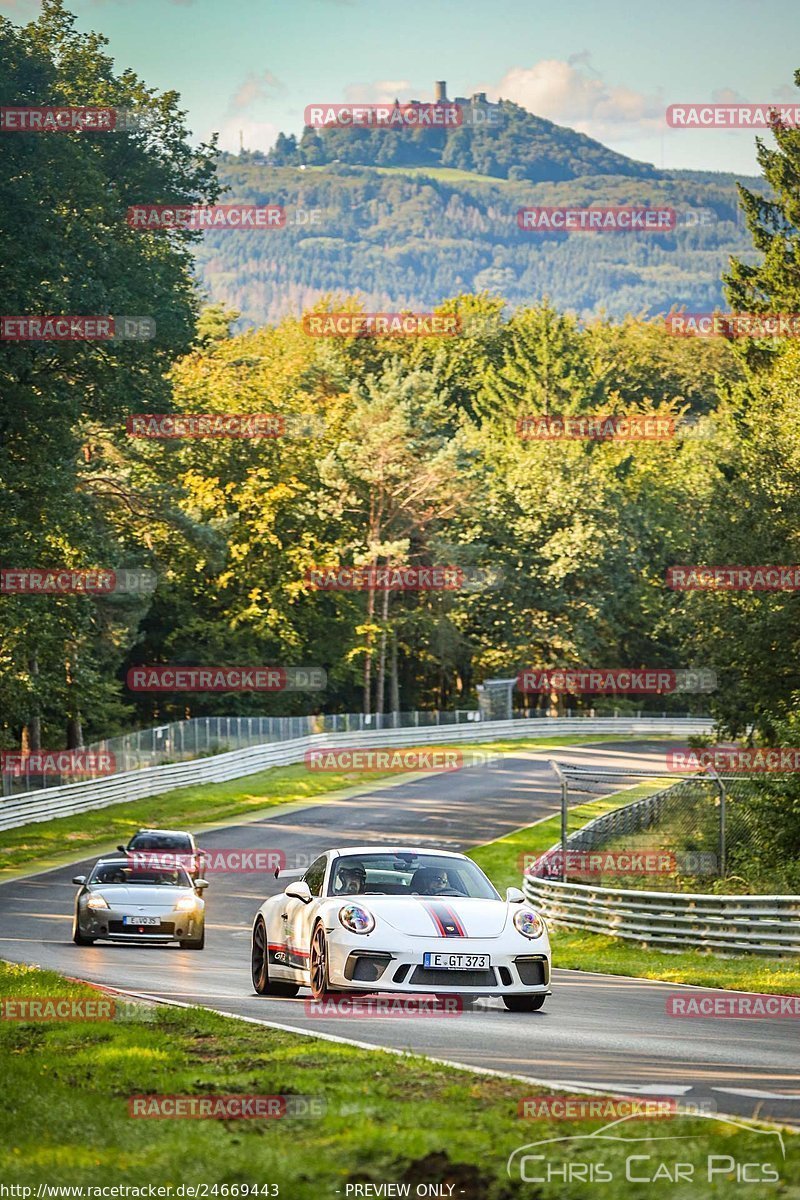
(383, 1119)
(502, 862)
(65, 839)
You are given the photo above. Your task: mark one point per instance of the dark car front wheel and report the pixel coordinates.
(79, 938)
(194, 943)
(524, 1003)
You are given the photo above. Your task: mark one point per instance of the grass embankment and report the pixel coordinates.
(385, 1119)
(50, 843)
(502, 861)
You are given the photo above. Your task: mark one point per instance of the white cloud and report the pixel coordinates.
(726, 96)
(381, 91)
(558, 90)
(254, 88)
(256, 135)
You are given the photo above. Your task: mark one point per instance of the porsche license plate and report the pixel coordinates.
(455, 962)
(141, 920)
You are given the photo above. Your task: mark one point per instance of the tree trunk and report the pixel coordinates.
(368, 655)
(381, 681)
(74, 733)
(74, 727)
(395, 683)
(32, 732)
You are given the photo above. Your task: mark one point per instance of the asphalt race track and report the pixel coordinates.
(601, 1031)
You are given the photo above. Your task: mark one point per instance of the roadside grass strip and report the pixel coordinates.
(351, 1116)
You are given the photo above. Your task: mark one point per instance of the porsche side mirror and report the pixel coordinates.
(79, 879)
(298, 889)
(124, 849)
(200, 885)
(514, 895)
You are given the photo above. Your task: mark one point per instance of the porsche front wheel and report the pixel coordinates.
(318, 965)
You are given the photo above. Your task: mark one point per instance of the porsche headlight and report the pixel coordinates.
(356, 919)
(186, 903)
(97, 901)
(529, 923)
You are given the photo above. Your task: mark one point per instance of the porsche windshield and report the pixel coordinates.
(408, 875)
(121, 872)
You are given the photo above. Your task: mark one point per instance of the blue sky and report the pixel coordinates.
(606, 69)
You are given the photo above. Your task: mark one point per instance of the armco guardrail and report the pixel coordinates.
(630, 818)
(70, 799)
(673, 920)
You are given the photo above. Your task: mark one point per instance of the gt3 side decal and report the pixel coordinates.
(287, 956)
(444, 918)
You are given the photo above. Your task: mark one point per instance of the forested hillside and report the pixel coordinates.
(410, 237)
(502, 140)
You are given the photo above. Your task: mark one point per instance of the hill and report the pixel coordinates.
(410, 237)
(501, 140)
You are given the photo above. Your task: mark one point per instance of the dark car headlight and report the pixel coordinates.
(356, 919)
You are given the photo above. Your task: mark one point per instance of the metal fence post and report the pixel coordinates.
(723, 820)
(564, 798)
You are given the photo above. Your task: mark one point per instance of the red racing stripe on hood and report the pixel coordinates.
(444, 918)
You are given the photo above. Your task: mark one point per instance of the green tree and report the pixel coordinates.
(63, 201)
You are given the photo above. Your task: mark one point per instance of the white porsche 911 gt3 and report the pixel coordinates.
(372, 918)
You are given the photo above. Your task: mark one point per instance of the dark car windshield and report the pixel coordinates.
(160, 841)
(405, 874)
(105, 873)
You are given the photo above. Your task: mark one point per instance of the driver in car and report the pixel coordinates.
(350, 881)
(431, 881)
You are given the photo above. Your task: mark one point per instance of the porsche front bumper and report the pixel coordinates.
(361, 964)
